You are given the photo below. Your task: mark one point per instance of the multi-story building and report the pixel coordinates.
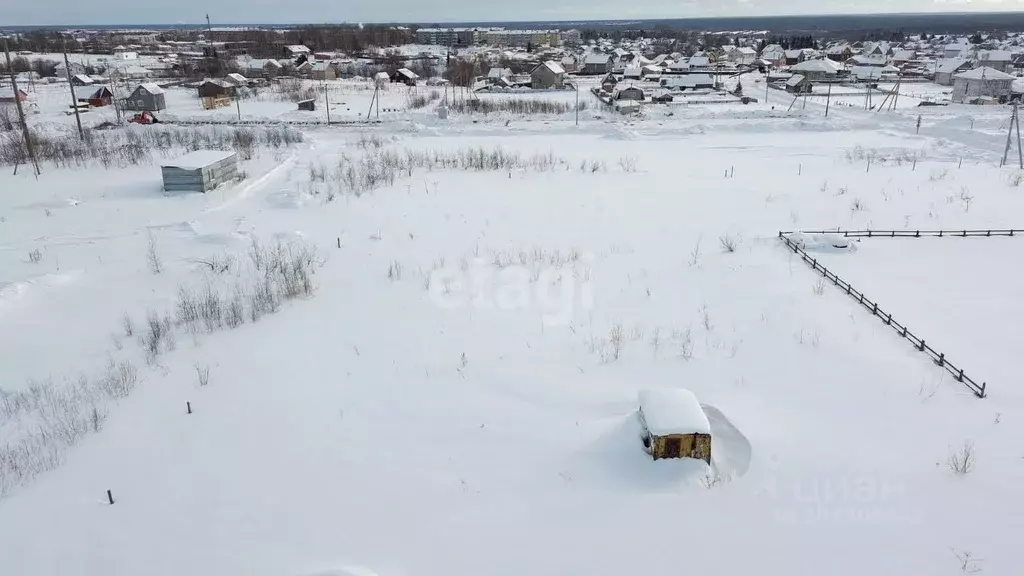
(521, 38)
(448, 36)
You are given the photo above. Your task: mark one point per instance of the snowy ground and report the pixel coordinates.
(458, 396)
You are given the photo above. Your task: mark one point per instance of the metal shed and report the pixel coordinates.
(199, 171)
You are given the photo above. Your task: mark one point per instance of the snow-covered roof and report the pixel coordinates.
(218, 82)
(597, 58)
(554, 67)
(904, 55)
(297, 49)
(793, 53)
(673, 412)
(198, 159)
(984, 73)
(747, 50)
(795, 80)
(699, 61)
(152, 88)
(237, 78)
(407, 73)
(8, 94)
(82, 78)
(949, 65)
(819, 66)
(996, 56)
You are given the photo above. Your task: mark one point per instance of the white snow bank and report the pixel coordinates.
(673, 412)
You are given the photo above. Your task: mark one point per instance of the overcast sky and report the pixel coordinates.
(49, 12)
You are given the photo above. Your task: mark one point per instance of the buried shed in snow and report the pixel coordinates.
(199, 171)
(674, 425)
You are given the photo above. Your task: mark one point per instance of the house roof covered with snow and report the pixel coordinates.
(984, 73)
(795, 80)
(237, 78)
(555, 67)
(995, 56)
(596, 58)
(152, 88)
(676, 411)
(949, 65)
(818, 66)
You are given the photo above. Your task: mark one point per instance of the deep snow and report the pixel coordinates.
(413, 418)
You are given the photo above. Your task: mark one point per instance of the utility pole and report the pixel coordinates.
(238, 107)
(828, 99)
(577, 85)
(21, 113)
(74, 99)
(327, 103)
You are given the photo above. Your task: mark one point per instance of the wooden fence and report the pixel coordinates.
(873, 307)
(913, 233)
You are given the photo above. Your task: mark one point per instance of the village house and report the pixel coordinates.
(823, 70)
(775, 54)
(997, 59)
(744, 55)
(81, 80)
(798, 84)
(146, 97)
(609, 83)
(215, 93)
(901, 57)
(547, 75)
(597, 63)
(405, 76)
(7, 96)
(794, 57)
(945, 69)
(629, 93)
(96, 96)
(569, 64)
(982, 83)
(839, 52)
(237, 79)
(263, 67)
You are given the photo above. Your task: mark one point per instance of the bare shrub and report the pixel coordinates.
(962, 461)
(202, 374)
(713, 477)
(683, 340)
(119, 379)
(156, 265)
(234, 312)
(158, 337)
(819, 287)
(628, 163)
(705, 318)
(520, 106)
(35, 256)
(968, 563)
(127, 325)
(395, 270)
(616, 340)
(728, 243)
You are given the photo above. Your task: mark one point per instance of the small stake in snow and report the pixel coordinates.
(188, 406)
(961, 164)
(339, 241)
(914, 169)
(799, 169)
(110, 498)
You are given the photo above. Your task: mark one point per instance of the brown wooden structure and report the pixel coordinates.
(674, 425)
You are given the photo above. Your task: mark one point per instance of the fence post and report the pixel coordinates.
(921, 346)
(874, 311)
(893, 235)
(940, 233)
(965, 234)
(869, 233)
(888, 321)
(918, 234)
(848, 288)
(988, 233)
(904, 331)
(983, 390)
(942, 360)
(960, 377)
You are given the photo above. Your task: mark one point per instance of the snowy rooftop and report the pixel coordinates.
(198, 159)
(152, 88)
(824, 66)
(673, 412)
(984, 73)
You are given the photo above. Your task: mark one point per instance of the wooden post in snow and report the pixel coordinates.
(21, 113)
(74, 99)
(828, 99)
(110, 497)
(1020, 154)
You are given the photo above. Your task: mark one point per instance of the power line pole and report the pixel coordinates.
(327, 101)
(21, 113)
(74, 99)
(828, 99)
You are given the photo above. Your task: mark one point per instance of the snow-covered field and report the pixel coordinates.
(456, 395)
